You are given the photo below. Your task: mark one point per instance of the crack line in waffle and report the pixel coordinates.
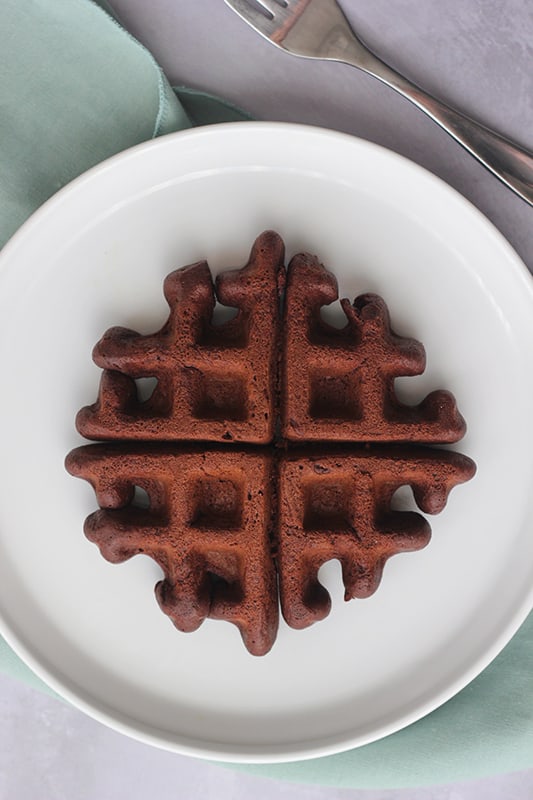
(304, 444)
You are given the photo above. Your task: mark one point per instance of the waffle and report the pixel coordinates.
(207, 525)
(338, 384)
(271, 444)
(214, 382)
(214, 517)
(338, 505)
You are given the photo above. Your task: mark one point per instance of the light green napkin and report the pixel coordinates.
(75, 88)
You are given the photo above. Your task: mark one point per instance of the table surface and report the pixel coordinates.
(476, 55)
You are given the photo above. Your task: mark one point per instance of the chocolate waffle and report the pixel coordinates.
(214, 516)
(338, 384)
(207, 525)
(317, 408)
(214, 382)
(338, 505)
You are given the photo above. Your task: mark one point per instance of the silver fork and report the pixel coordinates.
(319, 29)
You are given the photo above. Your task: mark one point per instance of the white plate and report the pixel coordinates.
(96, 256)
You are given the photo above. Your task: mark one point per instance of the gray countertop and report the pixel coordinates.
(476, 55)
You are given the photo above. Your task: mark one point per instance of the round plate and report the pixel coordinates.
(95, 256)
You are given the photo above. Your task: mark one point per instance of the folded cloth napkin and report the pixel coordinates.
(75, 89)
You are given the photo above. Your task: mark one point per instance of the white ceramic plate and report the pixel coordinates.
(95, 256)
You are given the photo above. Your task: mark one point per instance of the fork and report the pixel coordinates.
(318, 29)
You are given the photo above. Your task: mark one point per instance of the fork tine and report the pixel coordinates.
(255, 18)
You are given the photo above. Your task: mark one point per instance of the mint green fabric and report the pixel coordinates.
(10, 664)
(75, 88)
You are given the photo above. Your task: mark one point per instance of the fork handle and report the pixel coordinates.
(510, 163)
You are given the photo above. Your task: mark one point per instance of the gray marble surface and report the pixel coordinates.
(476, 54)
